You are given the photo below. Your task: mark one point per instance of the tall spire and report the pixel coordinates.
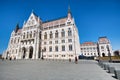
(69, 11)
(17, 27)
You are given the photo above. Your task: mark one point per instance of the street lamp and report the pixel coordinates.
(98, 52)
(109, 54)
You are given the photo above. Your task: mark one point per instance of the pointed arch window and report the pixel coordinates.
(63, 33)
(45, 35)
(31, 34)
(56, 34)
(27, 34)
(51, 34)
(69, 32)
(24, 36)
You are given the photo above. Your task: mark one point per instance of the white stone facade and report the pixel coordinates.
(89, 49)
(101, 48)
(104, 47)
(55, 39)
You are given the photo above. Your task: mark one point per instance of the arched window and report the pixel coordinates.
(70, 47)
(63, 33)
(56, 48)
(56, 34)
(51, 35)
(69, 32)
(45, 35)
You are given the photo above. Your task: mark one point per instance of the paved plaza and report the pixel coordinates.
(52, 70)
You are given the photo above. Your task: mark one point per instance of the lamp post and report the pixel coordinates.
(98, 52)
(109, 54)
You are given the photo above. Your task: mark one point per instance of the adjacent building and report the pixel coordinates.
(101, 48)
(53, 39)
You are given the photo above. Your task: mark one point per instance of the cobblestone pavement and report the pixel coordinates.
(52, 70)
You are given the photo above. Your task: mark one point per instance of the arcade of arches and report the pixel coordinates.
(27, 53)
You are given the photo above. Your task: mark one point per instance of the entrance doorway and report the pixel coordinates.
(24, 52)
(103, 54)
(30, 52)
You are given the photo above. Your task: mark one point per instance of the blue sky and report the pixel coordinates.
(94, 18)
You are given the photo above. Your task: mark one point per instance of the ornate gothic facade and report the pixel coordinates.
(54, 39)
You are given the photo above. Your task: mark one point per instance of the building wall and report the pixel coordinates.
(89, 49)
(101, 48)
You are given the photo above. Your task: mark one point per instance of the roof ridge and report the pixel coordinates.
(55, 19)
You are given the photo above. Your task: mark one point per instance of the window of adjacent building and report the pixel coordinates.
(63, 47)
(102, 47)
(18, 40)
(68, 22)
(56, 48)
(63, 33)
(63, 41)
(62, 25)
(50, 48)
(69, 40)
(69, 32)
(91, 54)
(51, 35)
(45, 35)
(56, 42)
(94, 48)
(50, 55)
(56, 55)
(70, 47)
(50, 42)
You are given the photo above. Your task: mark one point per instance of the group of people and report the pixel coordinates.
(10, 58)
(76, 60)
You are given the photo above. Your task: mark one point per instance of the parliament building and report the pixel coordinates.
(53, 39)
